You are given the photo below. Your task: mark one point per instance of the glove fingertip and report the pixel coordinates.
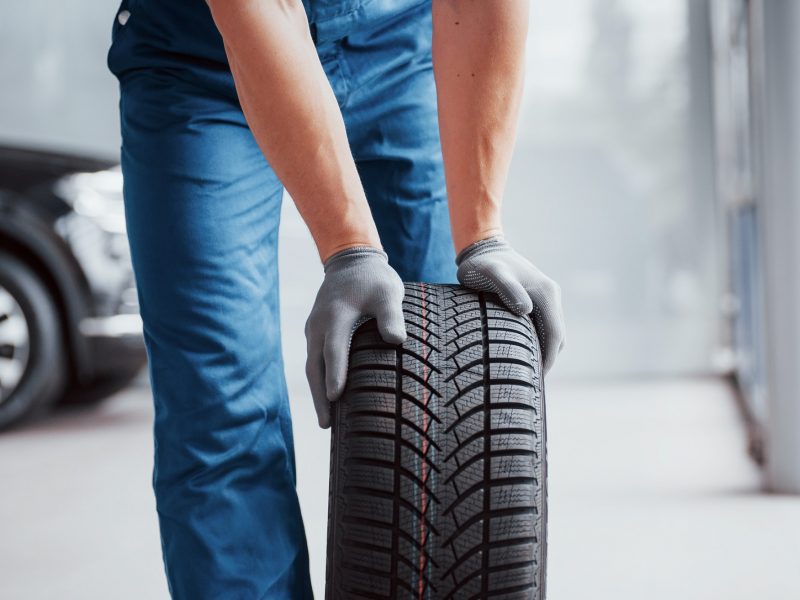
(396, 337)
(550, 354)
(394, 333)
(520, 309)
(513, 296)
(547, 364)
(322, 407)
(334, 390)
(519, 306)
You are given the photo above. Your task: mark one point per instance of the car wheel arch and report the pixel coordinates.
(30, 242)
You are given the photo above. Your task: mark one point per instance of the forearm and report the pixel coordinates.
(294, 116)
(478, 61)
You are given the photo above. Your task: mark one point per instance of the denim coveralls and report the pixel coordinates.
(202, 208)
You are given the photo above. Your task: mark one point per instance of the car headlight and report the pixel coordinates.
(95, 231)
(97, 196)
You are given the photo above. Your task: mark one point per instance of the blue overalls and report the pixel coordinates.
(202, 208)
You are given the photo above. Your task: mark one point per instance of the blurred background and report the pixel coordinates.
(656, 178)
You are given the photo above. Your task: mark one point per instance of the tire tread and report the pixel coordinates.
(438, 462)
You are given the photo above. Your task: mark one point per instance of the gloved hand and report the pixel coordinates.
(359, 285)
(491, 265)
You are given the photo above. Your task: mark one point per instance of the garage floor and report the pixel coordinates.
(651, 497)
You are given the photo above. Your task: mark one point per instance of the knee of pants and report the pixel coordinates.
(202, 210)
(212, 334)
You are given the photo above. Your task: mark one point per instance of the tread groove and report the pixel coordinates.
(496, 431)
(354, 520)
(487, 448)
(408, 302)
(498, 512)
(385, 436)
(482, 485)
(480, 361)
(476, 384)
(406, 372)
(476, 457)
(398, 434)
(486, 571)
(489, 407)
(479, 547)
(366, 491)
(358, 349)
(479, 342)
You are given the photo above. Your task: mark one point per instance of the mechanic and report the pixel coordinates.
(222, 105)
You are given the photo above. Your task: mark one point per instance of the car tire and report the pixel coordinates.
(438, 466)
(45, 373)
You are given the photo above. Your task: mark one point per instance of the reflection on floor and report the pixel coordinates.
(651, 496)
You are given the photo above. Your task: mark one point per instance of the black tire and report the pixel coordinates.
(438, 466)
(44, 379)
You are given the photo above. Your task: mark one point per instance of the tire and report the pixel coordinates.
(44, 375)
(438, 463)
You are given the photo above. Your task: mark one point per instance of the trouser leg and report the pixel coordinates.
(389, 106)
(202, 209)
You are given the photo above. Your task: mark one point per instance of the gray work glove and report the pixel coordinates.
(491, 265)
(359, 285)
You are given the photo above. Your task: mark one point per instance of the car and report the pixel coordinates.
(69, 313)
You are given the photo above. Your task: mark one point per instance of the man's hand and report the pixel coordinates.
(359, 284)
(491, 265)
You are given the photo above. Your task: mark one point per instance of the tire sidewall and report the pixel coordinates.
(45, 374)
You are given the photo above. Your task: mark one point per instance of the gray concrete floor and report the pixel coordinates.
(651, 496)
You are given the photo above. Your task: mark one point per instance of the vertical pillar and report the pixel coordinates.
(776, 83)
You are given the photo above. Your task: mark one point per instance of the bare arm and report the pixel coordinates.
(293, 113)
(295, 118)
(478, 61)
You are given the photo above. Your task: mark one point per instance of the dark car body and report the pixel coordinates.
(62, 215)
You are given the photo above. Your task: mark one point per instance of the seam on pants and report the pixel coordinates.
(346, 75)
(422, 59)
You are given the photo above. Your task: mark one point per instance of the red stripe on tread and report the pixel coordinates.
(423, 494)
